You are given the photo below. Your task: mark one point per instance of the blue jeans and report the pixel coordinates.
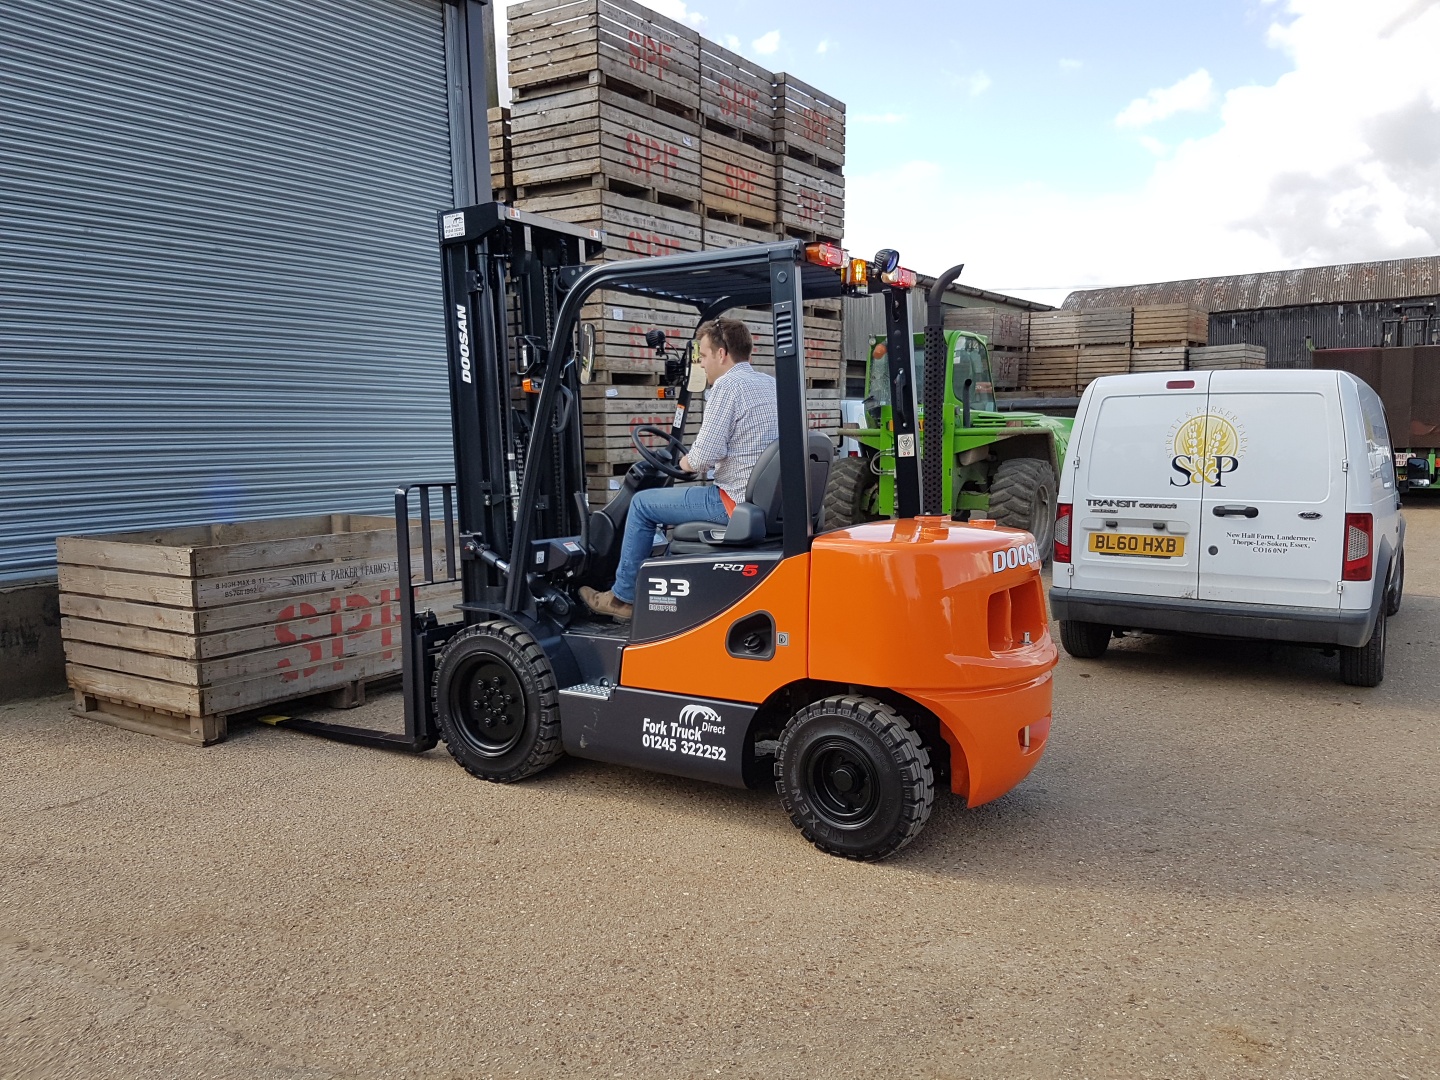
(661, 506)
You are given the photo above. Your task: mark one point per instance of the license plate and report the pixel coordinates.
(1155, 547)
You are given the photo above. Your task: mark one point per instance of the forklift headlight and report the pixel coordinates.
(886, 260)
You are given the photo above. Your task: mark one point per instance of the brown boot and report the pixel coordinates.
(604, 603)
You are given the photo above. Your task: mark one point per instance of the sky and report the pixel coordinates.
(1062, 144)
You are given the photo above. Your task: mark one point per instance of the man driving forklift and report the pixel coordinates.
(740, 422)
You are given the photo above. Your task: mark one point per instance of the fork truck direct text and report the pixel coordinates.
(743, 663)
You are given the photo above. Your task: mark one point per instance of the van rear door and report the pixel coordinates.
(1273, 519)
(1136, 521)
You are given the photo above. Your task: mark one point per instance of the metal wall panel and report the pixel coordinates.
(219, 280)
(1283, 330)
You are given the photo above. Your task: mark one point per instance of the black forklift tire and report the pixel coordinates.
(854, 777)
(496, 702)
(847, 493)
(1364, 665)
(1084, 640)
(1022, 496)
(1396, 593)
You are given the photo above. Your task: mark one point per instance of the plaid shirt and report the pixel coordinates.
(740, 421)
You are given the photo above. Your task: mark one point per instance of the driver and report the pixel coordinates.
(740, 421)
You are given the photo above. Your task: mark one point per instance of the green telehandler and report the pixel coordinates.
(1002, 465)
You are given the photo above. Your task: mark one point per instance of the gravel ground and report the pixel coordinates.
(1224, 866)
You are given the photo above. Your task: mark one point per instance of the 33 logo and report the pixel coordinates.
(677, 586)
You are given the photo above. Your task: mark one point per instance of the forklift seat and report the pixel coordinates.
(760, 518)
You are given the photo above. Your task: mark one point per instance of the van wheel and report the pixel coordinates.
(496, 702)
(854, 777)
(1365, 666)
(1397, 585)
(1084, 640)
(1022, 496)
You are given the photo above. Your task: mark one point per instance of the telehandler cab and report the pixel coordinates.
(743, 661)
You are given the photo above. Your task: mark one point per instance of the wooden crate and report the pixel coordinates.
(822, 410)
(1054, 329)
(738, 179)
(594, 135)
(824, 364)
(811, 199)
(1052, 368)
(1008, 368)
(561, 41)
(808, 122)
(1095, 361)
(1104, 326)
(502, 180)
(1226, 358)
(171, 631)
(1001, 327)
(735, 94)
(719, 232)
(634, 228)
(1170, 324)
(1170, 359)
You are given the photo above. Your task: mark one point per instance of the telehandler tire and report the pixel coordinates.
(849, 493)
(496, 702)
(1022, 496)
(854, 777)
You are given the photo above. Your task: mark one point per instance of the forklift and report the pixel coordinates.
(753, 654)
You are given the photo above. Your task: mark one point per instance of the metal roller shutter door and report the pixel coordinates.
(219, 283)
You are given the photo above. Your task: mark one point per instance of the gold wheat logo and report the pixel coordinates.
(1201, 442)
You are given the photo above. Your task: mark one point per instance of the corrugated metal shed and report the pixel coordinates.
(1348, 283)
(1283, 330)
(219, 286)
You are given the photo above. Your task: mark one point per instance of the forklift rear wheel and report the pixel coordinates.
(1022, 496)
(850, 493)
(496, 702)
(854, 777)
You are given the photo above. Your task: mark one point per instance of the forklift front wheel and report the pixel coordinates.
(496, 702)
(854, 777)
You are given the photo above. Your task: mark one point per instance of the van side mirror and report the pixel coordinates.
(587, 352)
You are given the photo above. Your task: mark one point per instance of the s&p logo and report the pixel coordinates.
(1206, 448)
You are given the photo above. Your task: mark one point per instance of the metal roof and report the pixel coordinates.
(1347, 283)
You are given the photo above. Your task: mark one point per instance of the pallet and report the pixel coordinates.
(736, 94)
(634, 228)
(205, 621)
(1226, 358)
(811, 199)
(1172, 325)
(595, 135)
(738, 179)
(1001, 328)
(552, 41)
(809, 122)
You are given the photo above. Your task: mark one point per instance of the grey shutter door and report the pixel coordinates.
(219, 280)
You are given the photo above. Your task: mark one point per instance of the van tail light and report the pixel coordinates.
(1359, 529)
(1062, 533)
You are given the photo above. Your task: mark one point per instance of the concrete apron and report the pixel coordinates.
(32, 662)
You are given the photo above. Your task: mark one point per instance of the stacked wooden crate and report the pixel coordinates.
(1052, 359)
(1226, 358)
(1008, 335)
(170, 632)
(1169, 326)
(1162, 359)
(1104, 339)
(502, 178)
(628, 121)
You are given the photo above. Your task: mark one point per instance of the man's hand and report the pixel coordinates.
(685, 465)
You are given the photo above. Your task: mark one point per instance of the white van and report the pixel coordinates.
(1251, 504)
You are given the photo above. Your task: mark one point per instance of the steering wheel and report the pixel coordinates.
(654, 460)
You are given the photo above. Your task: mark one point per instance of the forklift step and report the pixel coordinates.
(589, 690)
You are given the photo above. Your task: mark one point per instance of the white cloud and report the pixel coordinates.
(766, 44)
(1194, 93)
(732, 42)
(1154, 145)
(824, 46)
(881, 118)
(677, 10)
(978, 83)
(1315, 168)
(1066, 64)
